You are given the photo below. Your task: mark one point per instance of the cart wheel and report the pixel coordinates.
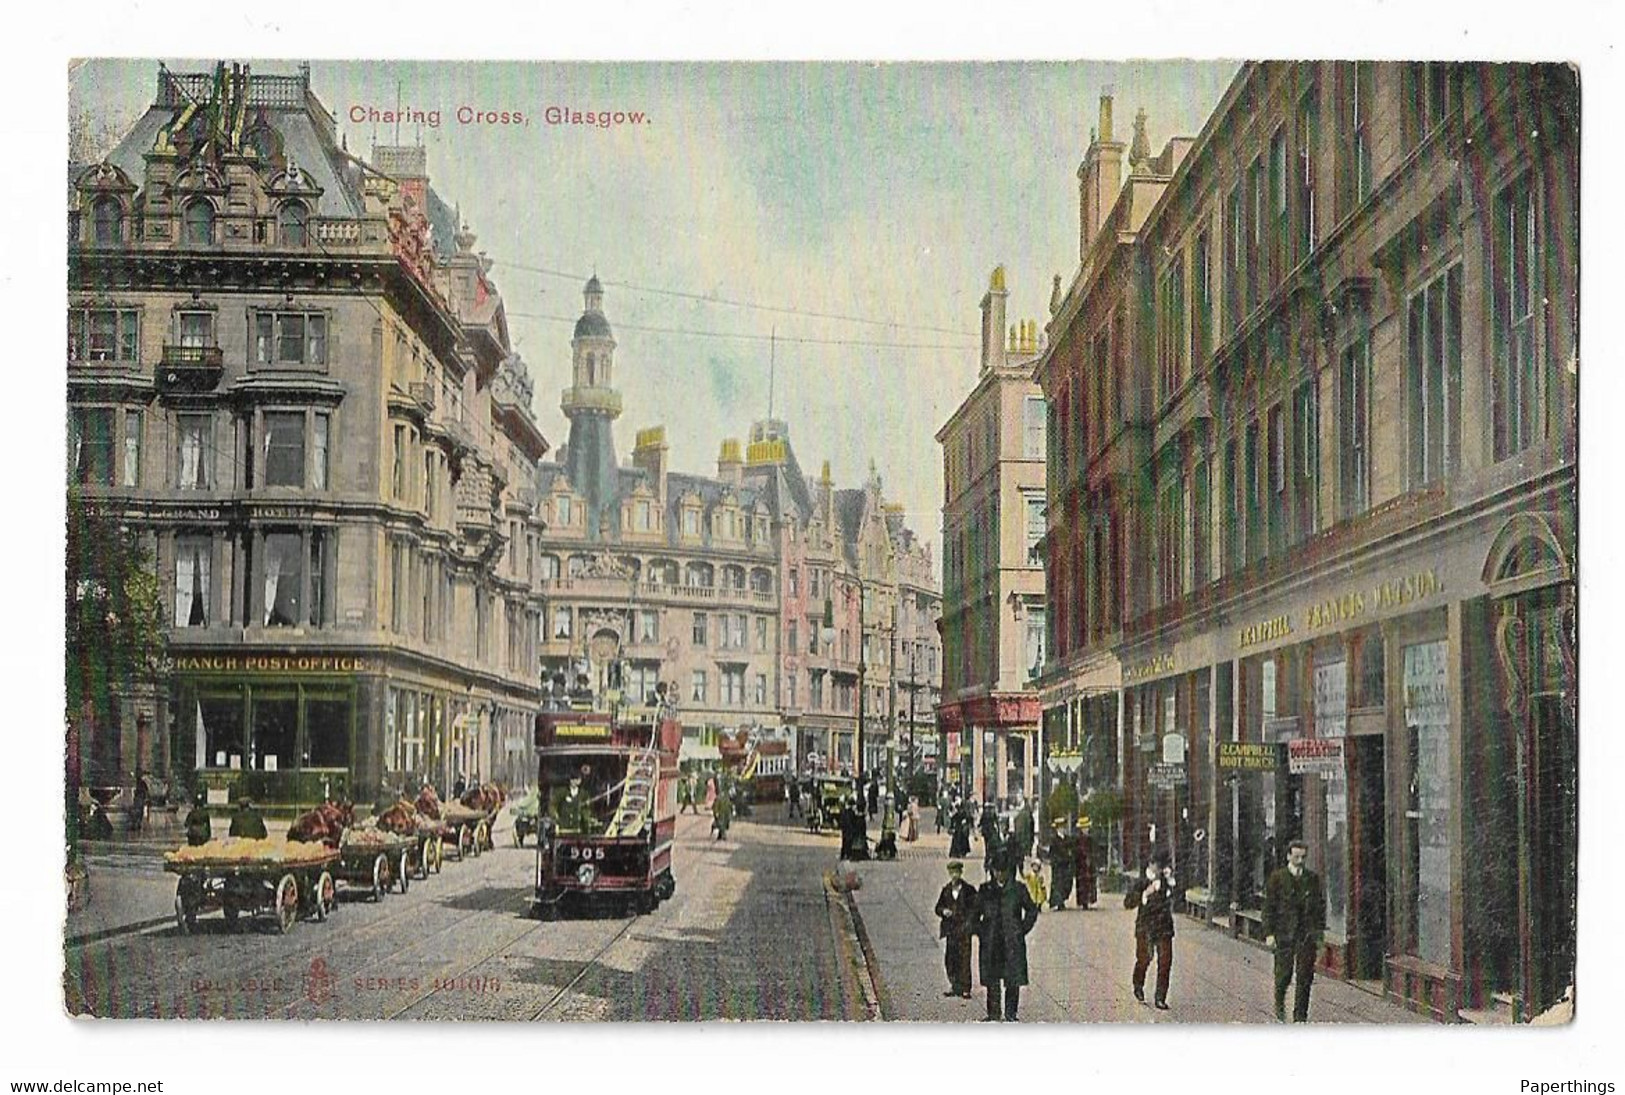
(404, 876)
(380, 871)
(324, 896)
(185, 917)
(228, 909)
(518, 838)
(287, 903)
(465, 842)
(482, 838)
(439, 853)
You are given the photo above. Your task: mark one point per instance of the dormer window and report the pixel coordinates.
(198, 226)
(107, 222)
(561, 507)
(291, 219)
(691, 521)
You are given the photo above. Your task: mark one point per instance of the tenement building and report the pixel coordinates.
(1314, 385)
(993, 617)
(711, 584)
(289, 369)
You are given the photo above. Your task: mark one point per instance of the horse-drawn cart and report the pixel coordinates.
(281, 879)
(376, 860)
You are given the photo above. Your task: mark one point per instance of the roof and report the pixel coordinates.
(593, 325)
(442, 226)
(850, 507)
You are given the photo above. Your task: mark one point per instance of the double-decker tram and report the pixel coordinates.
(607, 783)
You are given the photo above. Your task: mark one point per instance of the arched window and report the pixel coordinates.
(590, 380)
(199, 227)
(290, 224)
(108, 222)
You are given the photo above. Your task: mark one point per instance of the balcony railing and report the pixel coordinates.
(209, 356)
(190, 368)
(423, 392)
(591, 399)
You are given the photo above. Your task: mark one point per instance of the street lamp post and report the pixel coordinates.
(863, 669)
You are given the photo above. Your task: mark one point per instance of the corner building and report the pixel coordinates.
(1339, 360)
(289, 369)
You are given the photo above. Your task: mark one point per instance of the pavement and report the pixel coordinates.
(1079, 960)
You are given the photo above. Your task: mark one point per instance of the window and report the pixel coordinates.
(1170, 529)
(1358, 93)
(1033, 428)
(645, 517)
(790, 689)
(132, 449)
(761, 634)
(397, 479)
(291, 218)
(107, 222)
(1033, 655)
(817, 691)
(1433, 91)
(103, 334)
(1429, 804)
(1230, 520)
(1201, 301)
(198, 227)
(1201, 518)
(1306, 458)
(1276, 439)
(793, 636)
(696, 690)
(192, 552)
(691, 521)
(431, 501)
(284, 579)
(1171, 329)
(1515, 381)
(1036, 522)
(700, 622)
(1254, 508)
(397, 586)
(549, 567)
(1308, 134)
(1434, 379)
(284, 448)
(561, 622)
(1257, 222)
(290, 338)
(318, 451)
(736, 632)
(648, 625)
(760, 695)
(318, 577)
(1235, 241)
(1354, 426)
(564, 510)
(90, 446)
(1280, 226)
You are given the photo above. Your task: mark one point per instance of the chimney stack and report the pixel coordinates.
(993, 304)
(1100, 177)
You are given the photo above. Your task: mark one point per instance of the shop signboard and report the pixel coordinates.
(1315, 756)
(1166, 775)
(1246, 756)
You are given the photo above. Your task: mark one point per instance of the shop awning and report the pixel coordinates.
(693, 750)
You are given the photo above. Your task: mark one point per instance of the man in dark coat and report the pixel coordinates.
(1294, 918)
(956, 908)
(1005, 913)
(1021, 831)
(198, 825)
(959, 827)
(247, 822)
(722, 815)
(1061, 860)
(1153, 897)
(874, 797)
(992, 838)
(854, 832)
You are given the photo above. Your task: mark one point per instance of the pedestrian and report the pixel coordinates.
(1294, 918)
(1005, 913)
(1033, 878)
(1085, 866)
(943, 808)
(911, 821)
(854, 831)
(247, 822)
(792, 799)
(459, 786)
(874, 797)
(1021, 830)
(1153, 898)
(956, 909)
(1061, 861)
(198, 825)
(992, 839)
(959, 827)
(685, 794)
(722, 815)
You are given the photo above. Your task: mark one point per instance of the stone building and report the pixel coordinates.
(287, 366)
(993, 516)
(1314, 395)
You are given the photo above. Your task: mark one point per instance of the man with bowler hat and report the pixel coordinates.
(1005, 913)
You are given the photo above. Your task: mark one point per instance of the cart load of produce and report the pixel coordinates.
(428, 803)
(400, 819)
(455, 813)
(527, 805)
(323, 825)
(241, 850)
(382, 839)
(484, 798)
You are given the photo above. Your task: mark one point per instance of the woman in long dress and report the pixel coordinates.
(911, 821)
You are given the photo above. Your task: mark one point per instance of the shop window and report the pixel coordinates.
(284, 448)
(192, 554)
(327, 732)
(220, 731)
(1369, 680)
(283, 579)
(1428, 802)
(274, 742)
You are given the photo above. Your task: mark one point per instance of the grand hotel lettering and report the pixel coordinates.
(1345, 608)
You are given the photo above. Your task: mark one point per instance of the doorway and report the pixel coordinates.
(1368, 935)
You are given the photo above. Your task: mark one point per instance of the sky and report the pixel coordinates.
(860, 207)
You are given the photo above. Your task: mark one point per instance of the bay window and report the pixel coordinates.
(290, 338)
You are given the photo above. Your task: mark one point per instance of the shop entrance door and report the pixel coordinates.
(1369, 932)
(1554, 836)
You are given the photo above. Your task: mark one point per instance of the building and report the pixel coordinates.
(993, 607)
(1339, 353)
(288, 367)
(720, 585)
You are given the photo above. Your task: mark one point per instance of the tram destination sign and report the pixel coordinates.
(1246, 756)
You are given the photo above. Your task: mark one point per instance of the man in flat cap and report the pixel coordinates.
(956, 908)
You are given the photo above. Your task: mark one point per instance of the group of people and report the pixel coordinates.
(1068, 851)
(1003, 910)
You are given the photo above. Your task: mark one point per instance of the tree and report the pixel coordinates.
(114, 639)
